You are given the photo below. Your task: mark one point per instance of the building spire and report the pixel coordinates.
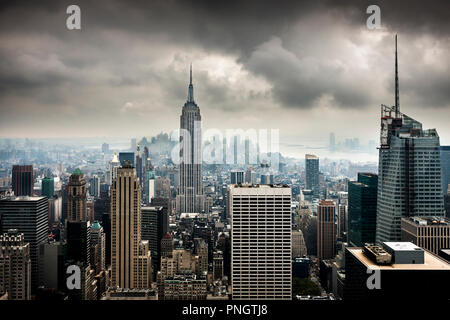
(191, 87)
(397, 97)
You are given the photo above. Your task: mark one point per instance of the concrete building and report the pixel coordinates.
(15, 266)
(130, 257)
(22, 180)
(29, 215)
(261, 244)
(298, 244)
(395, 270)
(430, 233)
(312, 174)
(326, 229)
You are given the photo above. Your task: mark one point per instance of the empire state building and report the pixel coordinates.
(190, 196)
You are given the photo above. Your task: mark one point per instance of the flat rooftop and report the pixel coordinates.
(432, 262)
(402, 246)
(428, 221)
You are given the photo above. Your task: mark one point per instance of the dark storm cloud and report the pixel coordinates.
(295, 46)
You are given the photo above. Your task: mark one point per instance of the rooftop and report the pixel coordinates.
(432, 262)
(428, 221)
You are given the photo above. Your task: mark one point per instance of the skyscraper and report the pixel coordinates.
(261, 242)
(29, 215)
(139, 169)
(445, 166)
(130, 257)
(237, 176)
(312, 173)
(362, 209)
(190, 196)
(48, 187)
(126, 158)
(154, 226)
(22, 180)
(97, 247)
(94, 186)
(326, 230)
(76, 197)
(409, 179)
(15, 266)
(113, 165)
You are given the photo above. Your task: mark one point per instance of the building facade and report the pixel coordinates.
(190, 196)
(362, 209)
(326, 229)
(261, 244)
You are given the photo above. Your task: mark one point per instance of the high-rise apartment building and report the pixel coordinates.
(29, 215)
(22, 180)
(130, 257)
(113, 165)
(15, 266)
(190, 196)
(312, 174)
(326, 229)
(362, 209)
(261, 244)
(409, 179)
(94, 186)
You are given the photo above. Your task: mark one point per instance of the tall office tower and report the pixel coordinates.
(312, 174)
(22, 180)
(133, 144)
(139, 169)
(326, 230)
(130, 257)
(154, 225)
(409, 168)
(237, 177)
(76, 197)
(15, 266)
(51, 259)
(29, 215)
(445, 167)
(190, 196)
(126, 158)
(48, 187)
(430, 233)
(298, 244)
(113, 165)
(261, 243)
(98, 247)
(267, 178)
(94, 186)
(149, 185)
(78, 234)
(166, 245)
(105, 148)
(332, 143)
(250, 176)
(362, 209)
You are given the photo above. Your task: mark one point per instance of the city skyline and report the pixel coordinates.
(326, 80)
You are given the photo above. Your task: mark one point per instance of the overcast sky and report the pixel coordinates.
(307, 68)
